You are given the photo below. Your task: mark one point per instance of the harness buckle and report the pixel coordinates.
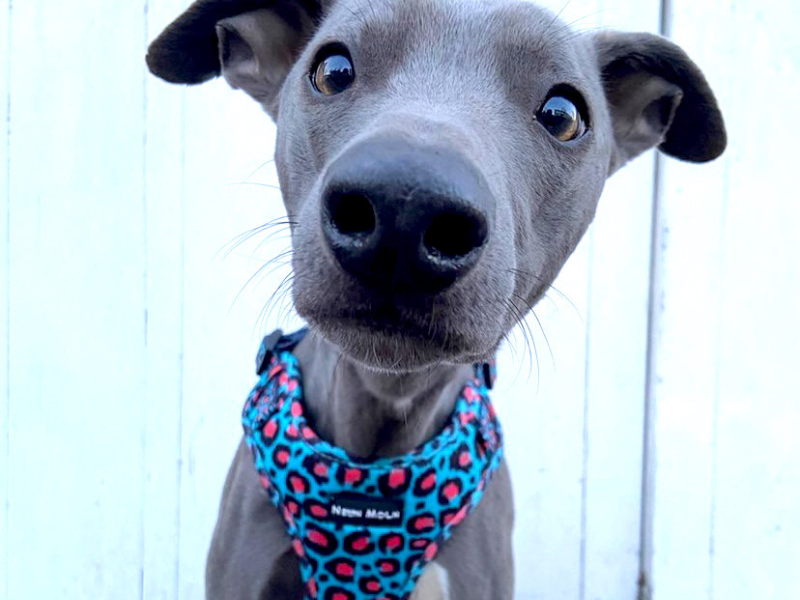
(266, 350)
(489, 374)
(274, 343)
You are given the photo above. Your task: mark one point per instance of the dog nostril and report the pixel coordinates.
(351, 214)
(452, 236)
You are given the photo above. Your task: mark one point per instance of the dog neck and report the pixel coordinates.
(374, 414)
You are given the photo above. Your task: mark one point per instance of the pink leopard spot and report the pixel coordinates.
(430, 551)
(352, 475)
(270, 429)
(397, 478)
(360, 544)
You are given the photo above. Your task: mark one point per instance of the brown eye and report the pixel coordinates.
(562, 119)
(333, 73)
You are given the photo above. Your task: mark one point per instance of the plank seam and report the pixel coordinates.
(648, 450)
(645, 582)
(717, 385)
(7, 441)
(146, 302)
(181, 375)
(585, 432)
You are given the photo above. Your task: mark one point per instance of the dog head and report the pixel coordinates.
(440, 159)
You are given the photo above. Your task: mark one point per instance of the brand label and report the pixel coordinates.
(366, 511)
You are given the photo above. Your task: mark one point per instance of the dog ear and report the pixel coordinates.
(253, 43)
(258, 48)
(657, 97)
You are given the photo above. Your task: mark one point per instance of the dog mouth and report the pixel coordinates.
(391, 336)
(386, 320)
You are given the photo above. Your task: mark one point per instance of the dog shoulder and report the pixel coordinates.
(249, 525)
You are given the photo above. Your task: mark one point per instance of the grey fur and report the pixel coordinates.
(467, 75)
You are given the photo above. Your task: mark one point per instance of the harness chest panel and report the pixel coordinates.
(364, 530)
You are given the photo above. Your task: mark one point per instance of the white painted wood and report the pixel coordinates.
(757, 472)
(579, 498)
(617, 359)
(164, 295)
(192, 390)
(227, 138)
(543, 415)
(543, 423)
(5, 60)
(725, 357)
(128, 365)
(77, 301)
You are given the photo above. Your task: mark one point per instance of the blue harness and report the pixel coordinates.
(365, 529)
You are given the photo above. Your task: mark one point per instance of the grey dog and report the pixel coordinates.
(437, 159)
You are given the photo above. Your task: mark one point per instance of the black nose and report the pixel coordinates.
(401, 217)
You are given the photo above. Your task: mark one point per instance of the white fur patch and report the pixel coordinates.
(434, 584)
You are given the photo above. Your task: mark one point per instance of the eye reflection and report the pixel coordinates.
(562, 119)
(333, 74)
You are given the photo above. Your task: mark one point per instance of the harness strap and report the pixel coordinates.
(365, 529)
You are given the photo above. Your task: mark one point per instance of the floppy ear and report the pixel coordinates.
(657, 97)
(253, 43)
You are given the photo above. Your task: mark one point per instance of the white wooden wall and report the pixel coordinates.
(660, 437)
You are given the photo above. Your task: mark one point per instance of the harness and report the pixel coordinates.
(365, 529)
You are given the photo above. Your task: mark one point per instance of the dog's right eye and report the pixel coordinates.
(563, 115)
(333, 72)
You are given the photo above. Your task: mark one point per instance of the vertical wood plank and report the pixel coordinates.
(542, 412)
(227, 138)
(685, 341)
(164, 334)
(617, 342)
(76, 280)
(541, 399)
(726, 482)
(685, 344)
(724, 382)
(756, 524)
(5, 117)
(578, 487)
(617, 358)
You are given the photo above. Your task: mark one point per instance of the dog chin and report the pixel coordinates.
(394, 349)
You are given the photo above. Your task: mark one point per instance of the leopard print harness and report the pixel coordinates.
(365, 529)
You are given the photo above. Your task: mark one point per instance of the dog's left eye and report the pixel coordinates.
(562, 118)
(333, 73)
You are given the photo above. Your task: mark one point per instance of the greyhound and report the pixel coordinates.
(437, 159)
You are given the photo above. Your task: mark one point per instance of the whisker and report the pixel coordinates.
(527, 327)
(511, 347)
(571, 31)
(549, 348)
(529, 307)
(256, 183)
(549, 286)
(579, 31)
(286, 305)
(275, 236)
(528, 346)
(530, 343)
(240, 239)
(278, 293)
(271, 160)
(555, 18)
(261, 271)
